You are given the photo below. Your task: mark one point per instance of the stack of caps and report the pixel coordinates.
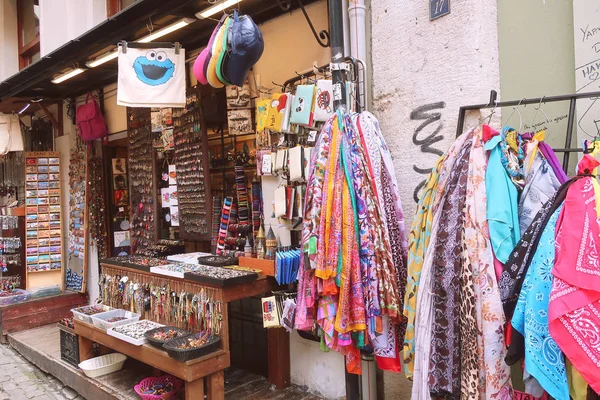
(234, 47)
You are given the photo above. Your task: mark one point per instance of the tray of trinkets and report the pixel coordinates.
(140, 263)
(133, 333)
(84, 314)
(219, 276)
(192, 346)
(112, 318)
(217, 261)
(159, 336)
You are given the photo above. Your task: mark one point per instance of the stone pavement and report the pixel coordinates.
(21, 380)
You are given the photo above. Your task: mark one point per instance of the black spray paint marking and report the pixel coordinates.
(426, 143)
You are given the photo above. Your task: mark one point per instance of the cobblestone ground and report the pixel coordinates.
(21, 380)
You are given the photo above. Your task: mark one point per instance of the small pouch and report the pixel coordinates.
(296, 163)
(280, 202)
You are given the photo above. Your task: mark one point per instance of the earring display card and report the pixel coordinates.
(191, 161)
(140, 178)
(43, 237)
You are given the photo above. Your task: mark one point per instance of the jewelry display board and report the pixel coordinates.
(43, 253)
(142, 181)
(191, 160)
(78, 221)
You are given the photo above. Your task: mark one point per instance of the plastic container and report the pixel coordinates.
(103, 365)
(159, 343)
(138, 339)
(16, 296)
(44, 291)
(79, 313)
(101, 320)
(165, 380)
(183, 355)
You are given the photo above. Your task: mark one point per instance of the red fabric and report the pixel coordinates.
(488, 132)
(574, 311)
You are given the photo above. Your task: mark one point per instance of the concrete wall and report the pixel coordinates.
(64, 20)
(536, 61)
(9, 63)
(423, 71)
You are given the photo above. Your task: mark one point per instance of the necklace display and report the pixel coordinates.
(77, 185)
(198, 311)
(96, 206)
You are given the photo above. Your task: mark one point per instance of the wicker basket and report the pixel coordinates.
(183, 355)
(161, 380)
(159, 343)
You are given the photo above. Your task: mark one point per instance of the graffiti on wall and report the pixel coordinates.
(426, 136)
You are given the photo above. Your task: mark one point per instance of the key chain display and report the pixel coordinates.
(97, 206)
(77, 215)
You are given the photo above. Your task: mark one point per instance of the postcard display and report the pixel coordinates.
(43, 220)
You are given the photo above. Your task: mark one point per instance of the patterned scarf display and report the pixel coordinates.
(355, 245)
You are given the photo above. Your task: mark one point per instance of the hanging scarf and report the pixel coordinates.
(574, 311)
(421, 229)
(502, 210)
(543, 359)
(444, 375)
(516, 266)
(540, 185)
(478, 283)
(419, 236)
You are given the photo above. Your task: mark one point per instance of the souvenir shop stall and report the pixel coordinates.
(502, 293)
(32, 273)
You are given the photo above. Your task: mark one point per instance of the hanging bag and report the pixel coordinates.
(90, 122)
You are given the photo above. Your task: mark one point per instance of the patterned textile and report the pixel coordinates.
(574, 312)
(540, 185)
(479, 294)
(421, 228)
(444, 375)
(516, 267)
(502, 209)
(419, 241)
(543, 359)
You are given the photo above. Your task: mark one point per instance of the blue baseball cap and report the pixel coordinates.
(245, 45)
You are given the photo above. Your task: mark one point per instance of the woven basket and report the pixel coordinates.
(183, 355)
(160, 380)
(159, 343)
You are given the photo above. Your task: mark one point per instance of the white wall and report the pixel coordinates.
(63, 20)
(9, 62)
(423, 71)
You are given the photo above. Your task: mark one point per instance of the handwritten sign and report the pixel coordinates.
(586, 14)
(438, 8)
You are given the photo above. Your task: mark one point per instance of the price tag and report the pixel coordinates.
(312, 136)
(121, 209)
(438, 8)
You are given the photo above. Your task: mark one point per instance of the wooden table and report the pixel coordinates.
(191, 372)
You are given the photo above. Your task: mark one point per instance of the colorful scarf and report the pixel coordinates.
(574, 311)
(444, 375)
(543, 359)
(478, 283)
(516, 266)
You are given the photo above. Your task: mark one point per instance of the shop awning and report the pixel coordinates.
(134, 22)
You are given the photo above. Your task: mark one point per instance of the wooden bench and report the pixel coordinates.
(192, 372)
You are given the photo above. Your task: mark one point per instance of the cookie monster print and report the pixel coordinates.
(155, 68)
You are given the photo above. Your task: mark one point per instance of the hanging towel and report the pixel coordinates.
(151, 78)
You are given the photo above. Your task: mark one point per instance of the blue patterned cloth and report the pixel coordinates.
(543, 358)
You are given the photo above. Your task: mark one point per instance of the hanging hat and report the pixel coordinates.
(201, 63)
(245, 46)
(217, 49)
(222, 52)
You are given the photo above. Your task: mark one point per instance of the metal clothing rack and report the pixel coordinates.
(572, 98)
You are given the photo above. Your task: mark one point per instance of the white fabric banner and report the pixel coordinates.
(151, 78)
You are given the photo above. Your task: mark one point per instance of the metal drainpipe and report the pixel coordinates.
(336, 32)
